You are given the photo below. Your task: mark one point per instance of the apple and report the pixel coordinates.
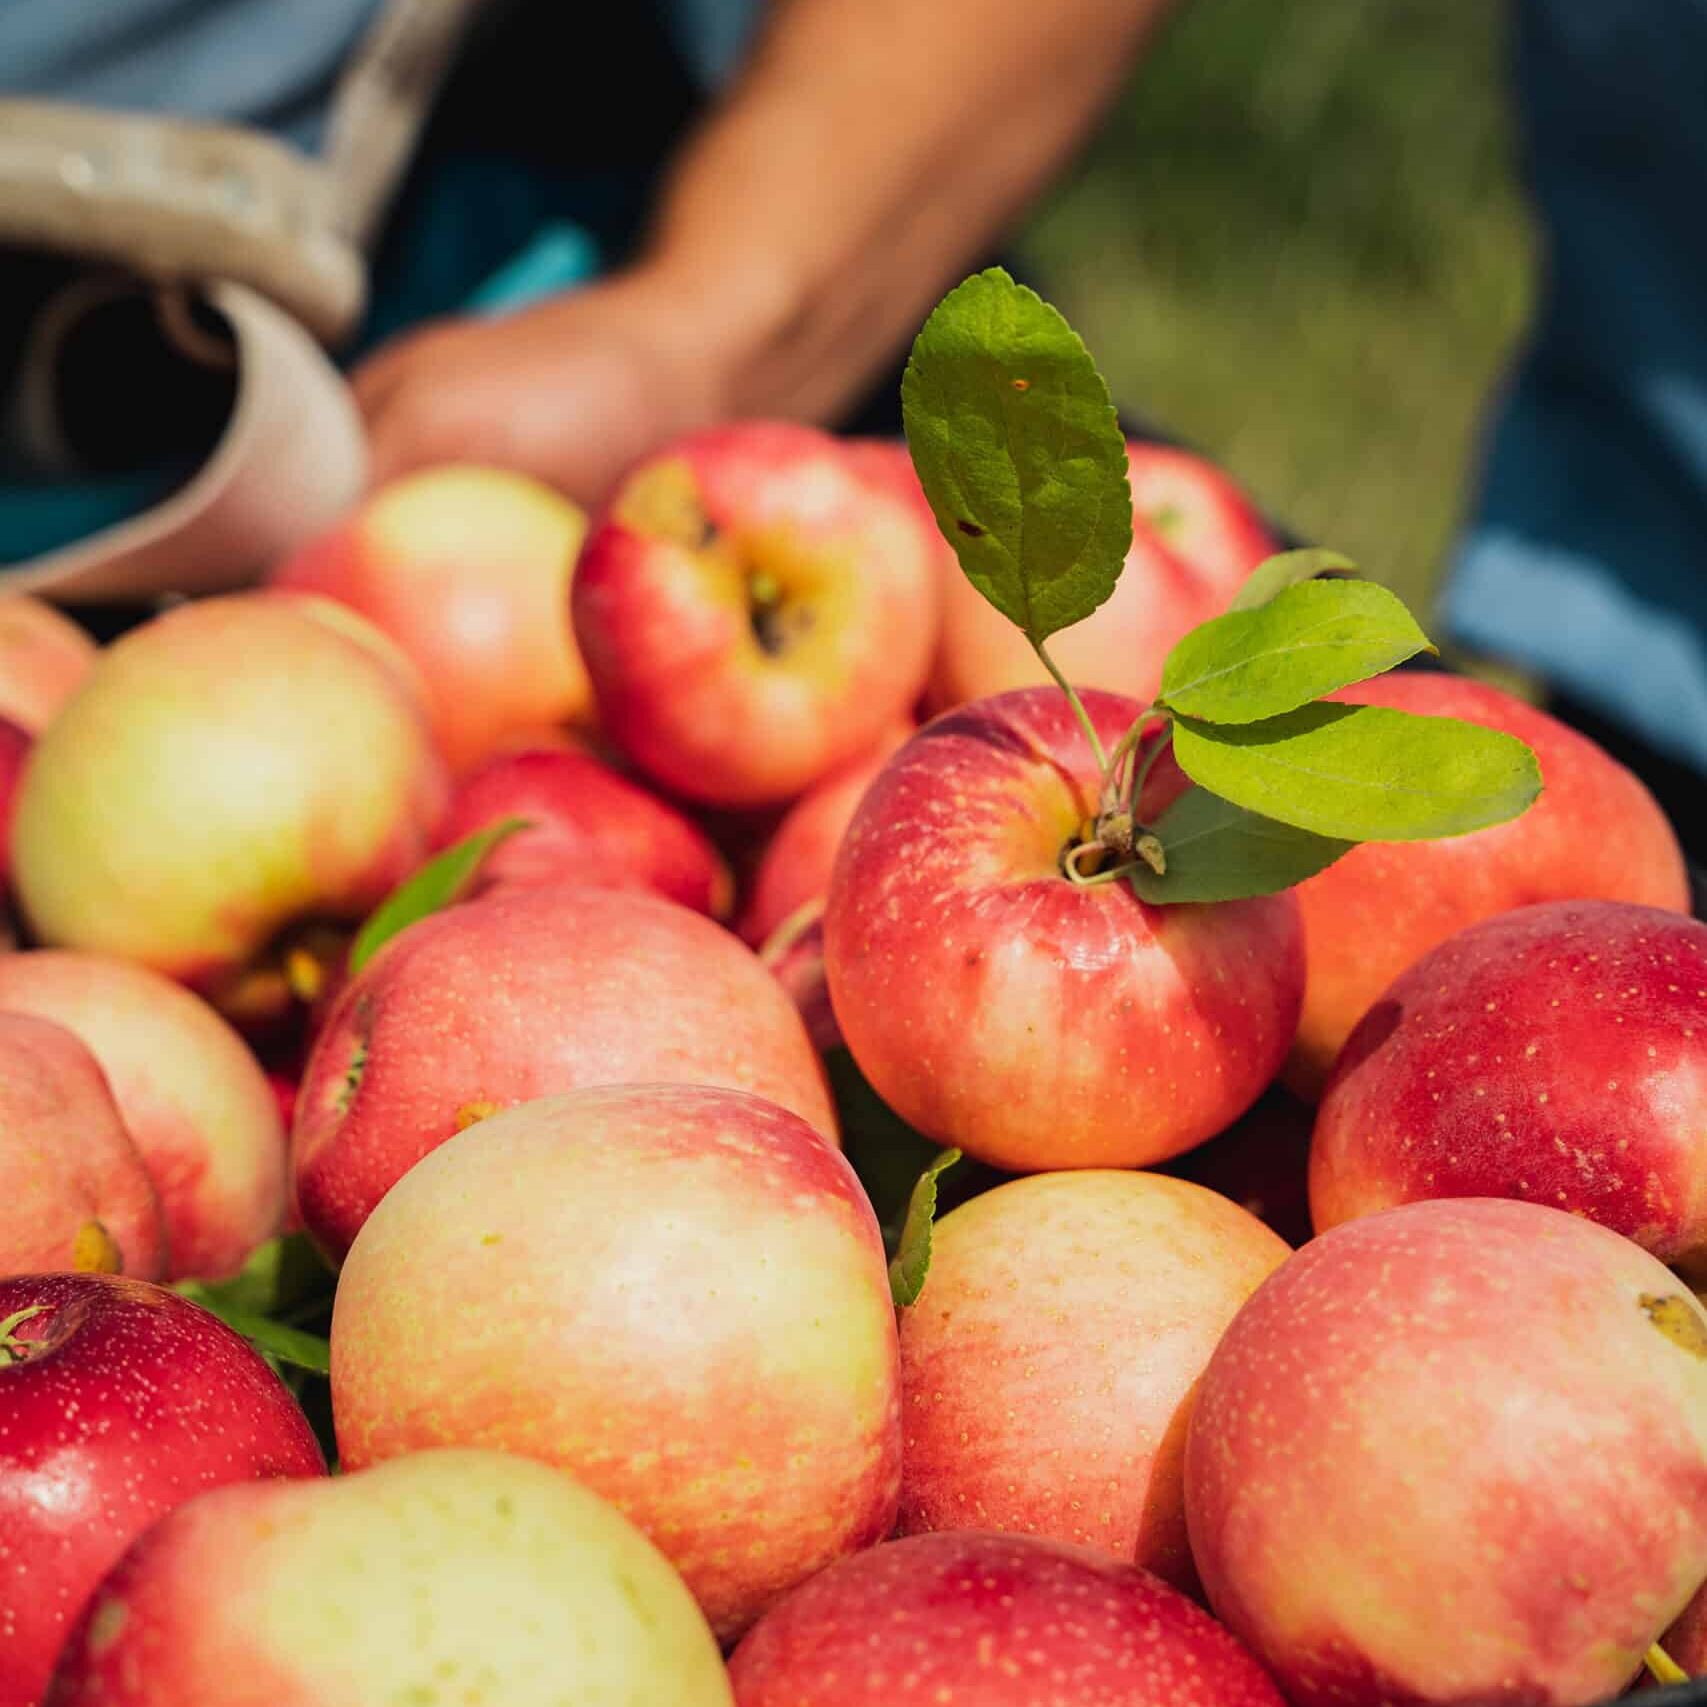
(1199, 513)
(587, 824)
(994, 1621)
(794, 956)
(1556, 1053)
(1455, 1452)
(753, 612)
(676, 1293)
(195, 1101)
(118, 1400)
(230, 773)
(1048, 1366)
(442, 1578)
(76, 1193)
(468, 570)
(1595, 833)
(43, 657)
(525, 994)
(996, 1006)
(15, 746)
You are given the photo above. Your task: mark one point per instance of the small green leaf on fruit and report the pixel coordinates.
(1019, 451)
(440, 882)
(1288, 569)
(1363, 773)
(912, 1262)
(1216, 851)
(1673, 1315)
(285, 1273)
(1305, 642)
(281, 1343)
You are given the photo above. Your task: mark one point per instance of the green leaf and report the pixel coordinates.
(1018, 448)
(886, 1153)
(1216, 851)
(1305, 642)
(280, 1343)
(1288, 569)
(441, 881)
(912, 1261)
(285, 1273)
(1364, 773)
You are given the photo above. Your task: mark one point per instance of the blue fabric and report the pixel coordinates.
(1587, 556)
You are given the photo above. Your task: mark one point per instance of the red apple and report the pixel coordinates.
(753, 612)
(994, 1621)
(194, 1099)
(43, 658)
(118, 1400)
(15, 746)
(229, 773)
(523, 995)
(1048, 1366)
(995, 1005)
(1595, 833)
(678, 1294)
(445, 1578)
(468, 570)
(1455, 1452)
(1557, 1053)
(1199, 513)
(76, 1193)
(587, 824)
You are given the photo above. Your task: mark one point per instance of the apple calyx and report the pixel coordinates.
(95, 1250)
(12, 1349)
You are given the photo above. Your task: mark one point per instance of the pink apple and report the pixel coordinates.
(15, 746)
(194, 1099)
(468, 570)
(43, 657)
(996, 1006)
(528, 994)
(1048, 1366)
(446, 1577)
(118, 1400)
(1199, 513)
(230, 773)
(994, 1621)
(76, 1193)
(753, 612)
(588, 825)
(1455, 1452)
(1595, 833)
(678, 1294)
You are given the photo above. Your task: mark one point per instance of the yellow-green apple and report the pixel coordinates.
(230, 772)
(1455, 1452)
(1595, 833)
(753, 612)
(445, 1577)
(1199, 513)
(797, 861)
(527, 994)
(468, 570)
(1048, 1367)
(1556, 1053)
(676, 1293)
(587, 824)
(43, 657)
(77, 1196)
(1033, 1022)
(118, 1400)
(993, 1621)
(15, 744)
(794, 956)
(195, 1101)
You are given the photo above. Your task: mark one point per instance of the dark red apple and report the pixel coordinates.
(14, 750)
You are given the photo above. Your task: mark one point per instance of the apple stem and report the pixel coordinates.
(1077, 704)
(12, 1349)
(1141, 772)
(1662, 1668)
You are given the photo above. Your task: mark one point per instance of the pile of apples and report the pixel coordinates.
(516, 916)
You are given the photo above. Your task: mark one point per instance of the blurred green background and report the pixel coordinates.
(1299, 244)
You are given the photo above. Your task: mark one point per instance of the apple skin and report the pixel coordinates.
(1556, 1053)
(468, 569)
(43, 657)
(1199, 513)
(1595, 834)
(1048, 1366)
(717, 1358)
(195, 1101)
(15, 744)
(226, 771)
(521, 995)
(668, 619)
(127, 1400)
(447, 1576)
(587, 824)
(1446, 1454)
(995, 1621)
(75, 1190)
(995, 1006)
